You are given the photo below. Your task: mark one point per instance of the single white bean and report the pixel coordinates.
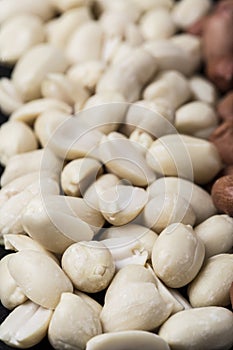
(217, 234)
(197, 119)
(25, 30)
(75, 139)
(89, 265)
(26, 326)
(94, 191)
(121, 204)
(122, 158)
(104, 112)
(170, 85)
(130, 75)
(184, 330)
(9, 9)
(125, 301)
(177, 255)
(154, 117)
(87, 73)
(132, 340)
(204, 291)
(40, 277)
(187, 12)
(58, 221)
(33, 66)
(12, 211)
(203, 90)
(85, 44)
(47, 123)
(11, 295)
(199, 199)
(18, 242)
(21, 183)
(78, 175)
(157, 24)
(165, 209)
(34, 161)
(59, 87)
(30, 111)
(15, 138)
(179, 155)
(10, 99)
(59, 30)
(66, 332)
(191, 45)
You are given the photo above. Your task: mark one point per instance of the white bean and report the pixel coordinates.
(15, 138)
(26, 326)
(179, 155)
(204, 291)
(217, 234)
(73, 332)
(25, 30)
(40, 277)
(177, 255)
(33, 66)
(184, 330)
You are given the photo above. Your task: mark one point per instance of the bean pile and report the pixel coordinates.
(116, 199)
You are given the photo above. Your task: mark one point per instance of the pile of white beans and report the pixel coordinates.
(105, 153)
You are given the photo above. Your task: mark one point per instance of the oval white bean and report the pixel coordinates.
(154, 117)
(15, 138)
(197, 119)
(179, 155)
(26, 326)
(67, 332)
(34, 161)
(124, 302)
(40, 277)
(187, 12)
(132, 340)
(11, 295)
(166, 209)
(85, 44)
(54, 223)
(203, 90)
(89, 265)
(170, 85)
(184, 330)
(25, 30)
(122, 158)
(87, 73)
(78, 175)
(11, 212)
(121, 204)
(33, 66)
(47, 123)
(199, 199)
(59, 30)
(44, 9)
(177, 255)
(157, 24)
(10, 99)
(59, 87)
(30, 111)
(204, 291)
(217, 234)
